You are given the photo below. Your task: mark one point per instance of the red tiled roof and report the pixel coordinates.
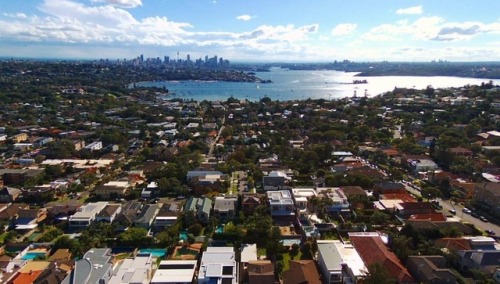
(372, 250)
(30, 277)
(302, 271)
(453, 244)
(429, 216)
(406, 197)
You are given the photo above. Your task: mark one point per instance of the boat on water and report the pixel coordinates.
(360, 82)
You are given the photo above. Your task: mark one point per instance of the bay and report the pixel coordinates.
(304, 84)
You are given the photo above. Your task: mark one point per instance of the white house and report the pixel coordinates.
(339, 262)
(218, 265)
(135, 270)
(281, 203)
(86, 215)
(175, 271)
(94, 146)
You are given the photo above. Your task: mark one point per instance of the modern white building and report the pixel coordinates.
(137, 270)
(301, 197)
(281, 203)
(86, 215)
(175, 271)
(218, 266)
(94, 146)
(339, 262)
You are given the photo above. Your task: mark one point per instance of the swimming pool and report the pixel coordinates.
(159, 253)
(32, 255)
(219, 230)
(183, 236)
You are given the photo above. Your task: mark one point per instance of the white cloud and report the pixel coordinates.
(16, 15)
(244, 18)
(121, 3)
(343, 29)
(415, 10)
(431, 28)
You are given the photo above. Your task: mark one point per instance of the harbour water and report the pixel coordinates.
(301, 85)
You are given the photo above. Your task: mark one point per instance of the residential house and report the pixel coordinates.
(337, 199)
(438, 216)
(339, 262)
(413, 208)
(197, 173)
(11, 211)
(18, 138)
(218, 265)
(13, 176)
(276, 180)
(94, 267)
(109, 213)
(201, 206)
(128, 215)
(430, 269)
(175, 272)
(302, 271)
(94, 146)
(225, 207)
(62, 210)
(423, 165)
(484, 260)
(301, 197)
(112, 189)
(355, 192)
(55, 272)
(150, 191)
(134, 270)
(147, 216)
(488, 195)
(9, 194)
(40, 193)
(86, 215)
(260, 272)
(280, 203)
(30, 272)
(372, 250)
(166, 217)
(461, 152)
(61, 255)
(249, 202)
(388, 187)
(248, 253)
(205, 184)
(28, 219)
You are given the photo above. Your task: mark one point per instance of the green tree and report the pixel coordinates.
(135, 237)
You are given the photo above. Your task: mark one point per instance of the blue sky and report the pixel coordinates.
(253, 30)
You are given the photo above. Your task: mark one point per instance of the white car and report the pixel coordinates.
(466, 211)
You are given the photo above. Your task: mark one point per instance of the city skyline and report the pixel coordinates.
(317, 30)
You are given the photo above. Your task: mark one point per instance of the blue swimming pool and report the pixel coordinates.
(32, 255)
(183, 236)
(159, 253)
(219, 230)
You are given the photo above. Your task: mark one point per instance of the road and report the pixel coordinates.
(447, 205)
(212, 145)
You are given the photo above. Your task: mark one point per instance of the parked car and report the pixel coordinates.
(482, 218)
(466, 210)
(452, 211)
(474, 214)
(490, 232)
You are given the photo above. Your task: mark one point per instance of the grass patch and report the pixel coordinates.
(122, 255)
(287, 257)
(185, 251)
